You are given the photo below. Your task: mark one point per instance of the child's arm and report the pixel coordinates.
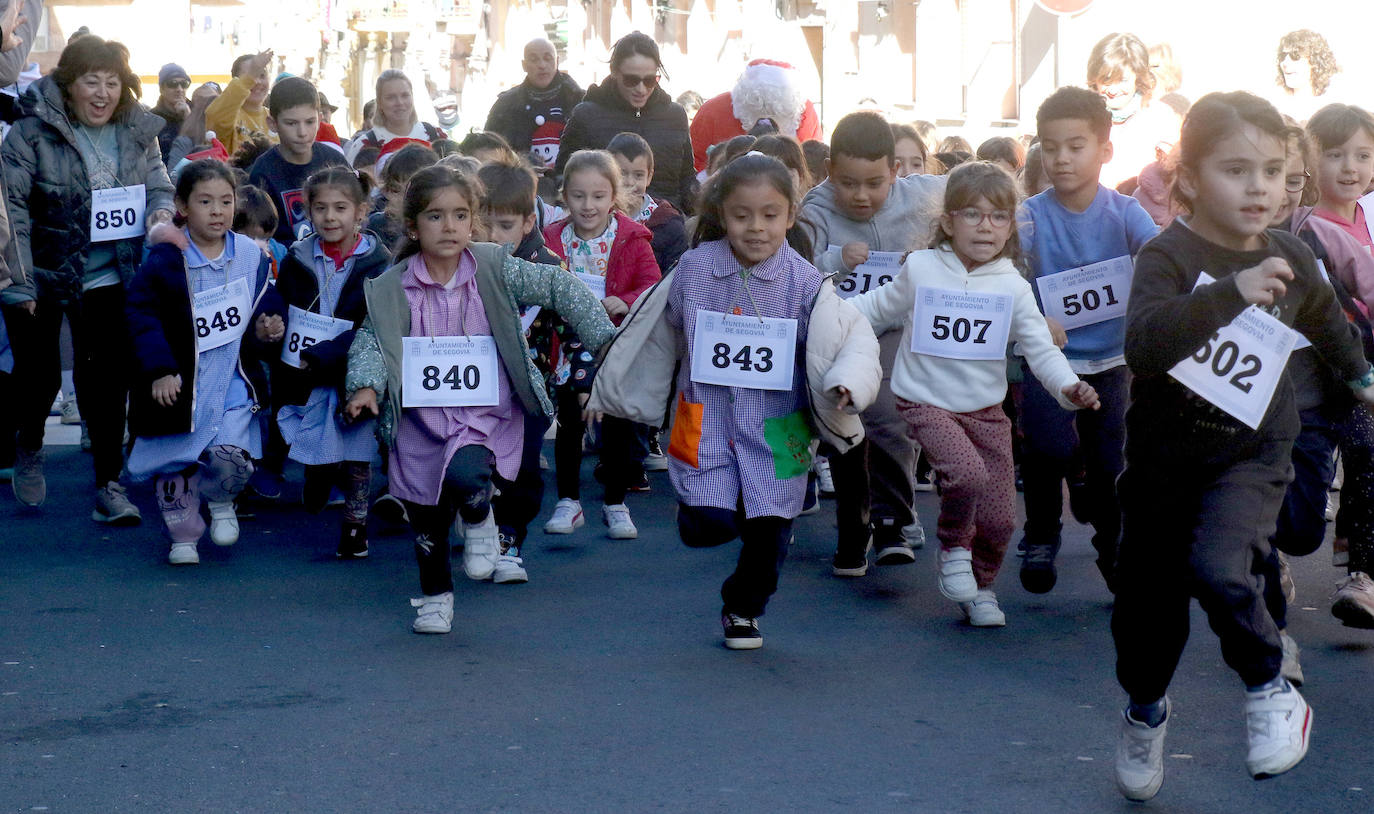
(1140, 227)
(856, 373)
(365, 382)
(1047, 362)
(890, 306)
(1320, 319)
(222, 113)
(640, 269)
(552, 287)
(269, 324)
(152, 351)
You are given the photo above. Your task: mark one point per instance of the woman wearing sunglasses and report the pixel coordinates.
(630, 100)
(1306, 67)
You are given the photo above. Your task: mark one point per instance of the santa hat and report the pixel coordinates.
(544, 140)
(769, 89)
(395, 146)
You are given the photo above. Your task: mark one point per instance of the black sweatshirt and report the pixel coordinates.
(1168, 321)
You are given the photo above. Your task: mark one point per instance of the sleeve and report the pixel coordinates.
(1140, 227)
(1320, 319)
(810, 125)
(269, 304)
(1047, 362)
(151, 350)
(20, 163)
(12, 62)
(687, 173)
(498, 118)
(856, 366)
(672, 244)
(157, 187)
(552, 287)
(643, 269)
(889, 306)
(1351, 264)
(696, 132)
(223, 112)
(825, 259)
(366, 365)
(1168, 320)
(574, 136)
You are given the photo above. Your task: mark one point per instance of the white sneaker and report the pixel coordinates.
(1278, 725)
(618, 522)
(510, 568)
(915, 535)
(70, 414)
(1330, 508)
(1140, 757)
(481, 548)
(984, 611)
(224, 522)
(183, 554)
(433, 614)
(956, 574)
(826, 480)
(567, 516)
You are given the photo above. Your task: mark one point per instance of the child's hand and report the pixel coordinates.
(845, 399)
(854, 254)
(588, 416)
(1082, 395)
(257, 64)
(166, 390)
(167, 233)
(1057, 333)
(1263, 284)
(362, 402)
(615, 307)
(269, 328)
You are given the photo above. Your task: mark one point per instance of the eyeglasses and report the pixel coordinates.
(630, 81)
(974, 217)
(1297, 183)
(179, 84)
(1292, 56)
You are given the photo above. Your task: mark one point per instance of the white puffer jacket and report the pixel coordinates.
(634, 379)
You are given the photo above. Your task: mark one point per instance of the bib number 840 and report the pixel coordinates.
(744, 358)
(1223, 360)
(221, 321)
(458, 377)
(960, 329)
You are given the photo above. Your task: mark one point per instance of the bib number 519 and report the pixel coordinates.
(960, 329)
(744, 358)
(221, 321)
(1223, 359)
(458, 377)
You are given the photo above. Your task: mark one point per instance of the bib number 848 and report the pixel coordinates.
(744, 358)
(221, 321)
(1223, 360)
(960, 329)
(458, 377)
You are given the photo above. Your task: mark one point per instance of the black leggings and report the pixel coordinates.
(466, 493)
(622, 451)
(765, 540)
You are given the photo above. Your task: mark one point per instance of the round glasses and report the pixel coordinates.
(973, 217)
(1297, 183)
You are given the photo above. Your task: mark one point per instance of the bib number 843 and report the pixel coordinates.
(744, 358)
(1223, 360)
(458, 377)
(960, 329)
(221, 321)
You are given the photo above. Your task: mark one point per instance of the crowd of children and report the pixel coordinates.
(406, 317)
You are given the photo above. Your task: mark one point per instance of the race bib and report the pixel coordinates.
(595, 282)
(1238, 368)
(221, 314)
(1367, 204)
(881, 268)
(449, 371)
(961, 324)
(1089, 294)
(306, 328)
(117, 214)
(744, 351)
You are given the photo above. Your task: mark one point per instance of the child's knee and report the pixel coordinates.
(706, 526)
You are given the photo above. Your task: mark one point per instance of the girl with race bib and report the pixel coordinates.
(321, 283)
(441, 357)
(614, 256)
(1210, 430)
(772, 358)
(959, 305)
(202, 320)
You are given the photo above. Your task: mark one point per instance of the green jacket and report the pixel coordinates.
(506, 284)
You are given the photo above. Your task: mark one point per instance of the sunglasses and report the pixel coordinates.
(631, 81)
(178, 84)
(1293, 56)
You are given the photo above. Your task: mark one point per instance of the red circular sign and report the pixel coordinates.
(1064, 6)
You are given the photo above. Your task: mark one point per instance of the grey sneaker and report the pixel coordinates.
(1140, 757)
(1292, 667)
(112, 506)
(30, 488)
(1353, 605)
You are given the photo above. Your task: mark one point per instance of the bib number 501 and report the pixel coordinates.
(221, 321)
(744, 358)
(1088, 300)
(458, 377)
(960, 329)
(1224, 357)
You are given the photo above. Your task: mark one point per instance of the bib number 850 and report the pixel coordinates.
(1223, 360)
(458, 377)
(221, 321)
(960, 329)
(744, 358)
(116, 218)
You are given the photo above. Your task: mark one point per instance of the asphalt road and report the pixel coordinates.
(273, 678)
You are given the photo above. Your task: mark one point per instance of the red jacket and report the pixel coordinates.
(631, 268)
(715, 122)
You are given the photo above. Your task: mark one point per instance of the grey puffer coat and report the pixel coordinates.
(48, 193)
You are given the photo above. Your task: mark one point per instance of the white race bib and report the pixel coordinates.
(449, 371)
(881, 268)
(117, 214)
(221, 314)
(1088, 294)
(744, 351)
(306, 328)
(1238, 368)
(961, 324)
(595, 282)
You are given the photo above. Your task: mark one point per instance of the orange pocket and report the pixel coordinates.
(686, 437)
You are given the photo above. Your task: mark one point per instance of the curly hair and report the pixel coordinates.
(89, 54)
(1313, 46)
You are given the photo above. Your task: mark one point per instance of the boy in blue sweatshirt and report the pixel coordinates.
(1080, 238)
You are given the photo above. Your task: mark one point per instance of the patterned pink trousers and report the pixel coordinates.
(971, 455)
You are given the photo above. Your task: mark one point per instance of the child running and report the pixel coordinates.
(321, 284)
(958, 305)
(442, 359)
(194, 411)
(1210, 430)
(772, 355)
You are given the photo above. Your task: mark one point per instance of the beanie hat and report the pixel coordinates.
(172, 71)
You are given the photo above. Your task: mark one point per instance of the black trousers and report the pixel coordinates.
(519, 502)
(765, 541)
(622, 451)
(102, 370)
(1189, 532)
(466, 493)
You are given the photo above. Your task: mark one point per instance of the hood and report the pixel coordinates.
(605, 94)
(904, 221)
(1002, 265)
(44, 100)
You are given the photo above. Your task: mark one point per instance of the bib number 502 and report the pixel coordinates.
(1223, 360)
(744, 358)
(1091, 301)
(458, 377)
(116, 218)
(960, 329)
(221, 321)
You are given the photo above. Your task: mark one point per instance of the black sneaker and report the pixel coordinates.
(390, 510)
(352, 542)
(741, 632)
(851, 563)
(893, 549)
(1037, 569)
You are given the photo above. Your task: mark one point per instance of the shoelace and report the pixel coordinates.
(742, 621)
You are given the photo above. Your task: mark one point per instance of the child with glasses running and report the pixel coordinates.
(958, 306)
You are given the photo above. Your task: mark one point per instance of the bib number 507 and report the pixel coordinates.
(1224, 358)
(744, 358)
(960, 329)
(221, 321)
(458, 377)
